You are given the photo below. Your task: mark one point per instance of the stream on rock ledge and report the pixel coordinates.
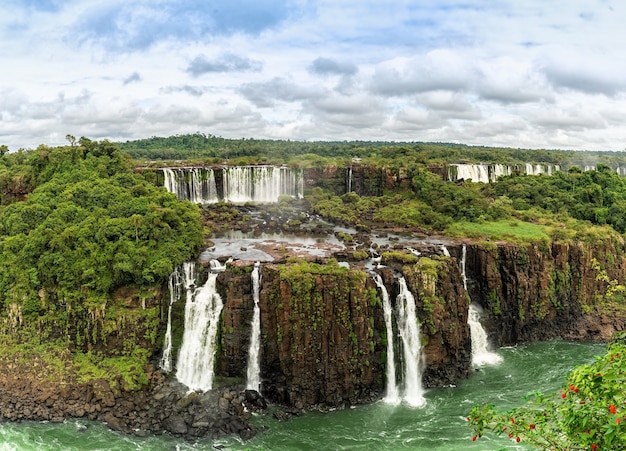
(438, 425)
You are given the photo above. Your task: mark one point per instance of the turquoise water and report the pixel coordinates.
(439, 425)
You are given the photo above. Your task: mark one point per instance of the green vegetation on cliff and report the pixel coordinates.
(79, 257)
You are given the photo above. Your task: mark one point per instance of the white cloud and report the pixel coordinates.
(520, 74)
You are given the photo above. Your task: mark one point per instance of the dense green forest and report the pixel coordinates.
(201, 146)
(88, 226)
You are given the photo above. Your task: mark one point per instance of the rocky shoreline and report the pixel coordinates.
(164, 407)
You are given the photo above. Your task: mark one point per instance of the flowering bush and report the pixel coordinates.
(589, 413)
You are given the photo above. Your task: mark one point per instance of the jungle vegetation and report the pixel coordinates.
(83, 239)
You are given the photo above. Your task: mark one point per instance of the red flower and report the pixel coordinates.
(572, 387)
(532, 426)
(469, 419)
(587, 431)
(517, 439)
(563, 395)
(618, 420)
(512, 420)
(612, 408)
(474, 438)
(594, 447)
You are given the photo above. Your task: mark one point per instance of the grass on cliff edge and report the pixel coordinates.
(505, 229)
(54, 362)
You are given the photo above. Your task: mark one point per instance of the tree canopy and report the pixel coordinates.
(88, 225)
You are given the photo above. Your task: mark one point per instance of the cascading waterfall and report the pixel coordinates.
(481, 355)
(349, 180)
(409, 332)
(391, 397)
(240, 184)
(197, 353)
(463, 274)
(477, 172)
(484, 173)
(260, 183)
(254, 368)
(174, 284)
(444, 250)
(193, 184)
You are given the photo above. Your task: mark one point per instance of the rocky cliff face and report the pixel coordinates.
(323, 333)
(540, 292)
(323, 330)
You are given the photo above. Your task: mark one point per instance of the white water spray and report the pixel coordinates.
(254, 369)
(444, 250)
(392, 396)
(481, 355)
(197, 352)
(409, 331)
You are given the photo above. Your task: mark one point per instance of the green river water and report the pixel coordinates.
(439, 425)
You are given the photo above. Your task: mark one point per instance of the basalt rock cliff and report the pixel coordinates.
(323, 331)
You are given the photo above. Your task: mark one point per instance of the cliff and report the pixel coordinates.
(323, 334)
(539, 292)
(323, 328)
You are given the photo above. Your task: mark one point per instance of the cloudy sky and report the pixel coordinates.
(518, 73)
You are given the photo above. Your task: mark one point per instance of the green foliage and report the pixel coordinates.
(90, 226)
(588, 413)
(511, 230)
(90, 367)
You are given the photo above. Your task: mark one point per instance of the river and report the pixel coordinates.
(438, 425)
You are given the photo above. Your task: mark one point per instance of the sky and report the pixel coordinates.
(514, 73)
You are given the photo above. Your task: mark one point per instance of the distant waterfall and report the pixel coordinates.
(480, 346)
(391, 396)
(193, 184)
(444, 250)
(463, 258)
(537, 169)
(197, 352)
(259, 184)
(349, 187)
(485, 173)
(254, 369)
(239, 184)
(476, 172)
(409, 331)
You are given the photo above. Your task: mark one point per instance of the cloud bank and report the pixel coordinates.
(540, 74)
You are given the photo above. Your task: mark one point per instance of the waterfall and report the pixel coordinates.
(193, 184)
(480, 346)
(499, 170)
(174, 284)
(254, 369)
(463, 258)
(197, 352)
(391, 396)
(240, 184)
(349, 180)
(409, 331)
(261, 183)
(444, 250)
(476, 172)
